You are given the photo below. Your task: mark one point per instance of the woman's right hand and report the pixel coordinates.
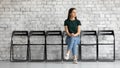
(71, 34)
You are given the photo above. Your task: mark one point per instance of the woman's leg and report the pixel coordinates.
(74, 49)
(70, 44)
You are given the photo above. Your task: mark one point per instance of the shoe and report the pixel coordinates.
(66, 56)
(75, 61)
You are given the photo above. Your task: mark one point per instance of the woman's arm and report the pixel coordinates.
(78, 31)
(66, 30)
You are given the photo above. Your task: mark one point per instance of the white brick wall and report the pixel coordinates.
(50, 15)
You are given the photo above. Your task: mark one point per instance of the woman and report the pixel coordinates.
(72, 28)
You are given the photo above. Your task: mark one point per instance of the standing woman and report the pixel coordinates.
(72, 28)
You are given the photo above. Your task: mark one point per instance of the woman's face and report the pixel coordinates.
(73, 13)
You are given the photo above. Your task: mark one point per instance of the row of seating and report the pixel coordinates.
(51, 46)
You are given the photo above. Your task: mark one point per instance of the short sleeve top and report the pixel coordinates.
(72, 25)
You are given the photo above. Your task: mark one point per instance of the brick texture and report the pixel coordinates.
(50, 15)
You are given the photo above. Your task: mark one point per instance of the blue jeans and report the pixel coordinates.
(72, 43)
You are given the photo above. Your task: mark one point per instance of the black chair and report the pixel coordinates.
(19, 46)
(65, 48)
(106, 45)
(53, 46)
(88, 46)
(37, 46)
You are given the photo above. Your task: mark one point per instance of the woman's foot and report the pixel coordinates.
(75, 61)
(66, 56)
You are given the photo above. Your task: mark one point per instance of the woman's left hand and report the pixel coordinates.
(74, 34)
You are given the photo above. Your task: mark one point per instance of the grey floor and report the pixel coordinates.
(6, 64)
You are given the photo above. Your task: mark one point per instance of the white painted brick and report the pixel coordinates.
(50, 15)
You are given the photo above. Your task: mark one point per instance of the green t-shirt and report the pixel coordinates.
(72, 25)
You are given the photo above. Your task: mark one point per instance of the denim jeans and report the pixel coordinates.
(72, 43)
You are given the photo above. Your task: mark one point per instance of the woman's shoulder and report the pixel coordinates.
(66, 20)
(78, 20)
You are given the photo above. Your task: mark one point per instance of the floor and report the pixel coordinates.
(6, 64)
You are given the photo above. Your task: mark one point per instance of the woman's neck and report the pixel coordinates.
(72, 18)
